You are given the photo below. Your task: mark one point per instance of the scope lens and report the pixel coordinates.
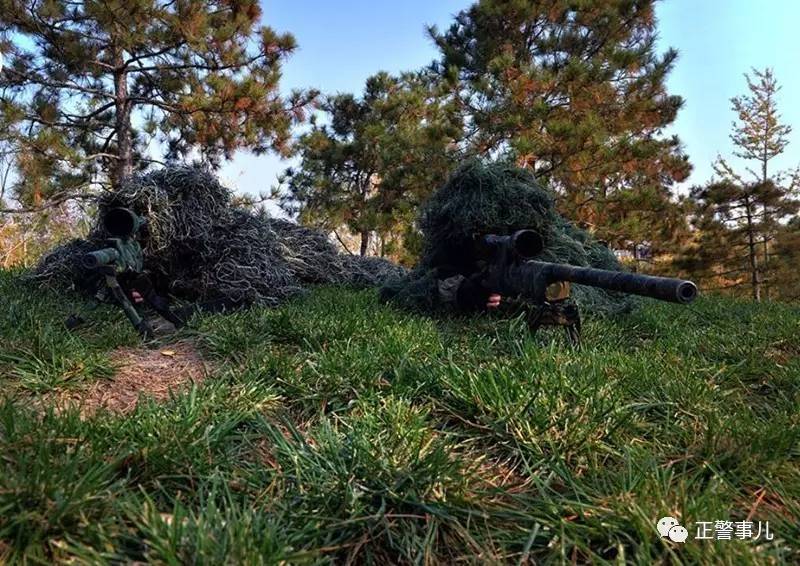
(528, 243)
(119, 222)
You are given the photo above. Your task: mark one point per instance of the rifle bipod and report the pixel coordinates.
(557, 313)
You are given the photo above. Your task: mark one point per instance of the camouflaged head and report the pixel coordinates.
(201, 243)
(480, 199)
(498, 198)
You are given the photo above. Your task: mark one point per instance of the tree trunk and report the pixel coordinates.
(364, 242)
(766, 253)
(755, 280)
(122, 123)
(764, 178)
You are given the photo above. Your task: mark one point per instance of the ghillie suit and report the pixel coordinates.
(198, 244)
(496, 198)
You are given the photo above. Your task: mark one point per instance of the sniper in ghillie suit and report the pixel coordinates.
(491, 231)
(178, 236)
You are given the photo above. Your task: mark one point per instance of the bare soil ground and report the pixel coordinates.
(141, 373)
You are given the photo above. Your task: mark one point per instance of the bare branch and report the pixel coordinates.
(57, 201)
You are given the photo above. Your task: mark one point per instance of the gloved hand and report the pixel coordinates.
(472, 295)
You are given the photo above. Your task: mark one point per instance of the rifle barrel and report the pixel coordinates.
(661, 288)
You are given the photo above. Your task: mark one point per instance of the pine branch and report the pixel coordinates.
(29, 79)
(152, 54)
(53, 202)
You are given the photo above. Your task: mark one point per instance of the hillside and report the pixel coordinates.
(335, 428)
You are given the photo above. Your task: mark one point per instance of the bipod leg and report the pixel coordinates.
(139, 323)
(574, 331)
(535, 318)
(574, 335)
(160, 304)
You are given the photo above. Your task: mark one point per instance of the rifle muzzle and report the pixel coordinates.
(106, 256)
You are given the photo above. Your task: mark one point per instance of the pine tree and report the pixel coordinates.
(650, 227)
(89, 85)
(760, 136)
(576, 91)
(787, 258)
(375, 159)
(730, 226)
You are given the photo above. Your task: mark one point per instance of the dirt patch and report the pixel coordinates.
(782, 352)
(141, 372)
(495, 474)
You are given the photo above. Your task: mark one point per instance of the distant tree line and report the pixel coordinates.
(575, 92)
(745, 236)
(577, 95)
(88, 86)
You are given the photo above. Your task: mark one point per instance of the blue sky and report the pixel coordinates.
(718, 42)
(342, 42)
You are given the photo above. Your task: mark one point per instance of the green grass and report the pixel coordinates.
(335, 428)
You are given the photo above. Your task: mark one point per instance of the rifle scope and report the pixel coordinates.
(526, 244)
(121, 222)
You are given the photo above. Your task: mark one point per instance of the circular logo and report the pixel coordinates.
(678, 534)
(665, 524)
(668, 527)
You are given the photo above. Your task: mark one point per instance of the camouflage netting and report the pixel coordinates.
(199, 245)
(499, 198)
